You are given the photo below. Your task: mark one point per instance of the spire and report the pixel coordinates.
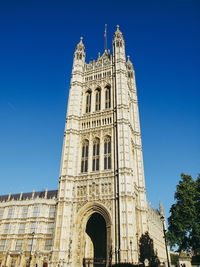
(118, 33)
(161, 208)
(80, 46)
(79, 54)
(129, 63)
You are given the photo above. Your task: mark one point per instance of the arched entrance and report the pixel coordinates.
(96, 241)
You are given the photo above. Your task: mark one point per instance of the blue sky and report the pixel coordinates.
(37, 42)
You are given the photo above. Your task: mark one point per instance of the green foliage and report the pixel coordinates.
(147, 250)
(184, 221)
(174, 258)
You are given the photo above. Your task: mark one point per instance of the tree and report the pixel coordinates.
(174, 259)
(195, 235)
(184, 221)
(147, 250)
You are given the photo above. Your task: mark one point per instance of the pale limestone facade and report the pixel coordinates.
(101, 207)
(113, 187)
(27, 223)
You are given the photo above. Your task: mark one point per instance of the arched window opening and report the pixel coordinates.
(88, 102)
(84, 159)
(107, 153)
(98, 100)
(95, 157)
(107, 98)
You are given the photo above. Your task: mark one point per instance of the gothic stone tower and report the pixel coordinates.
(102, 205)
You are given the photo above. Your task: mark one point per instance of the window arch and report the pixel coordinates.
(84, 158)
(95, 156)
(107, 153)
(88, 101)
(98, 99)
(107, 97)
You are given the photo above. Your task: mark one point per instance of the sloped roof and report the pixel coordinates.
(40, 194)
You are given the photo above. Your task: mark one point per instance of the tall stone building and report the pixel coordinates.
(101, 207)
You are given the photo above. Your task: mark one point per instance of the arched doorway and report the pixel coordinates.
(96, 241)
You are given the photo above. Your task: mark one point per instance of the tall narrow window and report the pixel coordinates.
(7, 228)
(1, 213)
(11, 212)
(88, 102)
(52, 211)
(3, 244)
(36, 211)
(21, 228)
(50, 228)
(107, 153)
(33, 228)
(24, 212)
(31, 245)
(95, 158)
(107, 97)
(48, 244)
(84, 159)
(18, 245)
(98, 100)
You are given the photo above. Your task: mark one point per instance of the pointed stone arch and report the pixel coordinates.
(82, 218)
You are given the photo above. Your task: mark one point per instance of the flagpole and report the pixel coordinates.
(105, 35)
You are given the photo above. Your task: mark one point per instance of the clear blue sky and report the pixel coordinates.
(37, 42)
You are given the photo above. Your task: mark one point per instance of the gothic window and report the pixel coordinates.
(95, 157)
(7, 228)
(48, 244)
(119, 43)
(107, 97)
(50, 228)
(88, 102)
(130, 74)
(3, 244)
(52, 211)
(24, 212)
(33, 228)
(11, 212)
(1, 213)
(36, 211)
(107, 153)
(98, 100)
(18, 245)
(29, 245)
(21, 228)
(84, 159)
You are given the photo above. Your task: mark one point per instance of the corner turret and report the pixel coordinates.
(79, 54)
(119, 44)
